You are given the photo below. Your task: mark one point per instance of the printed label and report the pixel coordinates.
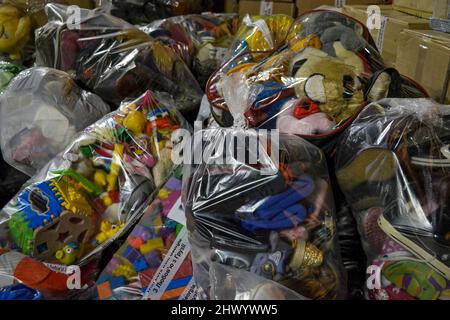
(169, 267)
(380, 39)
(266, 8)
(190, 293)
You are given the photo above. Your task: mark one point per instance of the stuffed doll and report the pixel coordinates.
(15, 29)
(329, 82)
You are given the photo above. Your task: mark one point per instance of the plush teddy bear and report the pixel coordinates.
(15, 29)
(329, 82)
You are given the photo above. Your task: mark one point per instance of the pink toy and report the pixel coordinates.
(317, 123)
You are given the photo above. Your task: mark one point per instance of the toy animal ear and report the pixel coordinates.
(297, 65)
(315, 88)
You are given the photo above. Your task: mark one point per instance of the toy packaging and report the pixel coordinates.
(262, 223)
(40, 113)
(314, 74)
(154, 263)
(201, 40)
(393, 165)
(94, 191)
(113, 58)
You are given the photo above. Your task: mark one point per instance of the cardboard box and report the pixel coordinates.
(392, 23)
(231, 6)
(308, 5)
(424, 55)
(266, 8)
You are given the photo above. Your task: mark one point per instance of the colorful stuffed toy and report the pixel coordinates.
(15, 28)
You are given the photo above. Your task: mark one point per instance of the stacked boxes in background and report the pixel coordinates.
(308, 5)
(424, 55)
(393, 23)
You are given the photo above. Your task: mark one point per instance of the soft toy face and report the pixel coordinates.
(329, 82)
(14, 29)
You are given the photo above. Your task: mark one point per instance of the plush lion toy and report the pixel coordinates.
(15, 29)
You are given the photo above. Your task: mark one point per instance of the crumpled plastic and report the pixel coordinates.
(40, 113)
(113, 58)
(393, 167)
(94, 192)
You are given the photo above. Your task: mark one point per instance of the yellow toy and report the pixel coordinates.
(15, 29)
(135, 121)
(108, 230)
(151, 245)
(124, 271)
(69, 254)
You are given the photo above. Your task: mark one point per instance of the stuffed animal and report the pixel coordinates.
(15, 29)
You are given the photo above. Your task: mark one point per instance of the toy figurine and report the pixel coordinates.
(69, 254)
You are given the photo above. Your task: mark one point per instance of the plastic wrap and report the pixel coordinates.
(201, 40)
(261, 210)
(393, 165)
(154, 263)
(35, 8)
(113, 58)
(40, 113)
(316, 74)
(94, 191)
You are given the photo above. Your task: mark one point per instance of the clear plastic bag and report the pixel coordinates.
(393, 165)
(154, 263)
(94, 191)
(113, 58)
(261, 205)
(316, 75)
(40, 113)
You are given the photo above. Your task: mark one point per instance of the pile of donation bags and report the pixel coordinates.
(105, 195)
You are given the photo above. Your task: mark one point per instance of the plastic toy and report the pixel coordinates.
(108, 230)
(147, 249)
(69, 254)
(15, 29)
(51, 214)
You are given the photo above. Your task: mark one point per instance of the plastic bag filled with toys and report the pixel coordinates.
(393, 165)
(202, 40)
(316, 74)
(154, 263)
(259, 207)
(94, 191)
(113, 58)
(41, 111)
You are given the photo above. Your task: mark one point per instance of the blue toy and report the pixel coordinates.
(19, 292)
